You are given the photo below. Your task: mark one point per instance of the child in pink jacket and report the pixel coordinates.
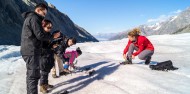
(70, 56)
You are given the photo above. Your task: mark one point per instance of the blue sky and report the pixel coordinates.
(108, 16)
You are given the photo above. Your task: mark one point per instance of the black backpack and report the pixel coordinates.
(163, 66)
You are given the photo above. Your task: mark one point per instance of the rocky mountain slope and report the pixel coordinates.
(11, 21)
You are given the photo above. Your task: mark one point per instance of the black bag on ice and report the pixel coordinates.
(163, 66)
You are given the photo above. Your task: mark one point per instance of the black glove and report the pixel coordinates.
(54, 41)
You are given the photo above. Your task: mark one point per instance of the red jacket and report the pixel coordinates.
(142, 43)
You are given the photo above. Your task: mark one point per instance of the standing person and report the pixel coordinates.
(32, 35)
(47, 58)
(59, 51)
(144, 48)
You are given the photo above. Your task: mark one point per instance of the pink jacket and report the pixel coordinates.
(71, 55)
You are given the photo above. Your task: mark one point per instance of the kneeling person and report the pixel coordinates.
(144, 48)
(70, 56)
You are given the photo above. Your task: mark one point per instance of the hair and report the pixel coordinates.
(56, 31)
(61, 34)
(45, 22)
(42, 6)
(74, 41)
(135, 32)
(79, 51)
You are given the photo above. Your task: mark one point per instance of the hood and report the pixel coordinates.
(30, 13)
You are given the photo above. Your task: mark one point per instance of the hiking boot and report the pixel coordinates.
(54, 75)
(67, 71)
(62, 73)
(64, 92)
(126, 62)
(147, 61)
(49, 86)
(43, 89)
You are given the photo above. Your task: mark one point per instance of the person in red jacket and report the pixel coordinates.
(144, 48)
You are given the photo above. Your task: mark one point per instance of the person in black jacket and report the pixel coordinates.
(59, 50)
(47, 58)
(32, 35)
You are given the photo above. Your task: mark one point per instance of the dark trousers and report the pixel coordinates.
(32, 73)
(46, 64)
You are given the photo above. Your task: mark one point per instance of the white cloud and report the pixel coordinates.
(162, 18)
(159, 19)
(176, 12)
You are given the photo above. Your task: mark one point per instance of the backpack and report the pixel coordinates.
(163, 66)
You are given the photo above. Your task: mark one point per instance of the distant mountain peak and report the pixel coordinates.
(51, 5)
(175, 24)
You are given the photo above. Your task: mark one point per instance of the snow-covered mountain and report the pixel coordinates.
(110, 78)
(119, 35)
(186, 29)
(173, 25)
(104, 36)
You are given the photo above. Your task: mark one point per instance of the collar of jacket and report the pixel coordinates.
(30, 13)
(41, 17)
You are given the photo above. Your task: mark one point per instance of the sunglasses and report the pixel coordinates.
(49, 27)
(43, 11)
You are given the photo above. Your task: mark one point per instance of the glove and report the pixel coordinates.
(66, 66)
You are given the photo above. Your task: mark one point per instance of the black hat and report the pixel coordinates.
(41, 5)
(79, 51)
(56, 31)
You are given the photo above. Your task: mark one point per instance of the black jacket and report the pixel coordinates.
(32, 34)
(60, 50)
(46, 47)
